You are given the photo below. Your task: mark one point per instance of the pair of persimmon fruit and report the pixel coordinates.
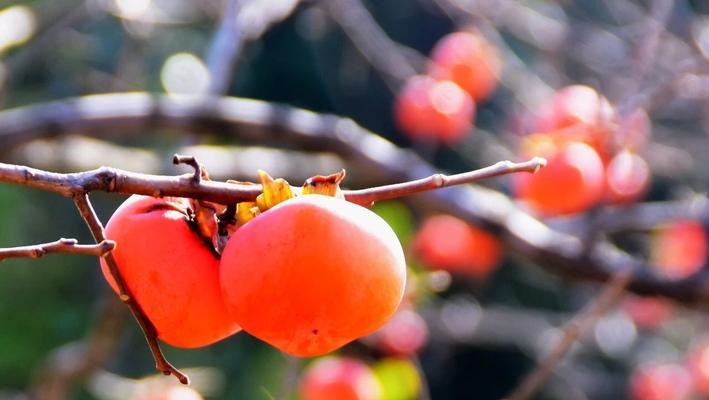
(306, 276)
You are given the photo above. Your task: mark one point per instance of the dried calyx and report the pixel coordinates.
(215, 223)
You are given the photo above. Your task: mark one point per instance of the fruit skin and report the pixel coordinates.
(572, 181)
(571, 105)
(170, 271)
(169, 393)
(578, 113)
(467, 59)
(312, 274)
(698, 364)
(403, 335)
(647, 312)
(437, 110)
(679, 249)
(451, 244)
(339, 378)
(660, 382)
(627, 176)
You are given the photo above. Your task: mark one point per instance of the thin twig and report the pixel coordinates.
(87, 212)
(120, 181)
(371, 195)
(573, 331)
(59, 246)
(178, 159)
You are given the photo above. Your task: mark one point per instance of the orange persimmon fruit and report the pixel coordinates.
(429, 109)
(312, 274)
(339, 378)
(449, 243)
(573, 180)
(469, 60)
(170, 270)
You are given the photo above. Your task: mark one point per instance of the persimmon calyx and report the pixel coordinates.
(274, 191)
(278, 190)
(327, 185)
(245, 212)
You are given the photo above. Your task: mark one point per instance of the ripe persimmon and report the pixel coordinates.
(627, 177)
(451, 244)
(339, 378)
(572, 181)
(170, 270)
(469, 60)
(312, 274)
(679, 249)
(429, 109)
(578, 113)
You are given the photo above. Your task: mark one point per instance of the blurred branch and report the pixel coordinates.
(646, 49)
(59, 246)
(639, 217)
(87, 212)
(73, 362)
(382, 53)
(224, 49)
(527, 87)
(571, 332)
(263, 122)
(242, 20)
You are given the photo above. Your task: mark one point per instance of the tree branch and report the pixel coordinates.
(571, 332)
(59, 246)
(87, 212)
(262, 122)
(224, 49)
(370, 39)
(368, 196)
(73, 362)
(120, 181)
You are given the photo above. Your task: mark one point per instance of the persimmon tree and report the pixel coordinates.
(422, 273)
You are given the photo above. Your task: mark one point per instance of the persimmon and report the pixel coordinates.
(627, 176)
(168, 393)
(647, 312)
(578, 113)
(438, 110)
(679, 249)
(571, 105)
(339, 378)
(660, 382)
(170, 270)
(312, 274)
(449, 243)
(404, 334)
(572, 181)
(698, 364)
(469, 60)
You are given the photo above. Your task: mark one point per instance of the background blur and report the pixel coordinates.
(486, 333)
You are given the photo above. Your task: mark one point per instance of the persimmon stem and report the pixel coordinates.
(83, 204)
(368, 196)
(60, 246)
